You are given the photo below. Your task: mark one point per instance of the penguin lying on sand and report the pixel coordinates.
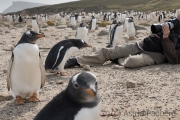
(26, 73)
(61, 52)
(79, 101)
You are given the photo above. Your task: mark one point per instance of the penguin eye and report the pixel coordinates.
(30, 35)
(76, 85)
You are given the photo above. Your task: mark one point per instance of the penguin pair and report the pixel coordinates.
(35, 26)
(79, 101)
(61, 52)
(82, 33)
(92, 24)
(26, 73)
(116, 34)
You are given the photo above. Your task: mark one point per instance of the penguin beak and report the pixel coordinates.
(88, 46)
(90, 92)
(40, 35)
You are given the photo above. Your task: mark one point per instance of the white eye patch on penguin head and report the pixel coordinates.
(81, 43)
(83, 86)
(31, 36)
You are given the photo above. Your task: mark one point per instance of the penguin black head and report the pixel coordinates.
(34, 18)
(119, 23)
(80, 43)
(93, 17)
(130, 20)
(81, 24)
(114, 22)
(30, 37)
(82, 87)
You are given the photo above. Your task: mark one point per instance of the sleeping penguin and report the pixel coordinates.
(61, 52)
(26, 73)
(79, 101)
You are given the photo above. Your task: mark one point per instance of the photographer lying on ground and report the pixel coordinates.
(154, 49)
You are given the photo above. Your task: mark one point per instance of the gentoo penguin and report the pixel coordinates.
(79, 19)
(114, 23)
(79, 101)
(63, 20)
(72, 20)
(92, 24)
(116, 35)
(20, 18)
(160, 18)
(82, 33)
(35, 26)
(26, 74)
(131, 31)
(61, 52)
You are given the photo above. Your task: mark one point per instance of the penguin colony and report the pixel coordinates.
(79, 100)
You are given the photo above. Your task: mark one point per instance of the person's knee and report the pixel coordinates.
(138, 61)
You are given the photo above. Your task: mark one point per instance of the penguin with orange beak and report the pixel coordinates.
(79, 101)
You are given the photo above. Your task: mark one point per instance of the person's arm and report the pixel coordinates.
(172, 54)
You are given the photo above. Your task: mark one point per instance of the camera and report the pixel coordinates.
(173, 24)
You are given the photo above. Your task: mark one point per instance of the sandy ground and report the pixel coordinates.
(156, 98)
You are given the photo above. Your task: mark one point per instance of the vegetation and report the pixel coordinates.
(50, 23)
(106, 5)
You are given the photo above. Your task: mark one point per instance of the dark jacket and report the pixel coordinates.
(151, 45)
(172, 54)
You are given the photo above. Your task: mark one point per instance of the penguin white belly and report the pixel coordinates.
(35, 26)
(67, 55)
(89, 113)
(25, 73)
(82, 34)
(131, 29)
(118, 35)
(93, 24)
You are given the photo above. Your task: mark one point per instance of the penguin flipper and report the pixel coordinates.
(61, 54)
(9, 72)
(43, 73)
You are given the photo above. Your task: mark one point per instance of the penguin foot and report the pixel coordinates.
(33, 98)
(63, 74)
(131, 38)
(19, 100)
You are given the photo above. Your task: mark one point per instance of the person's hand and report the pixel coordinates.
(165, 30)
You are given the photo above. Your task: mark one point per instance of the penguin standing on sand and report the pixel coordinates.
(72, 20)
(61, 52)
(79, 101)
(92, 24)
(116, 35)
(82, 33)
(114, 23)
(35, 26)
(131, 31)
(26, 73)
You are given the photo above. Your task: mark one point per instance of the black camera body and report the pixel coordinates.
(173, 25)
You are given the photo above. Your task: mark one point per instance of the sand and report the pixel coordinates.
(155, 97)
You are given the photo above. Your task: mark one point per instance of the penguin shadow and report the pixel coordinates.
(13, 110)
(54, 77)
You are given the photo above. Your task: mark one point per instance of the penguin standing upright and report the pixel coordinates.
(131, 31)
(92, 25)
(114, 23)
(116, 35)
(35, 26)
(26, 74)
(79, 19)
(63, 20)
(61, 52)
(79, 101)
(72, 20)
(82, 33)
